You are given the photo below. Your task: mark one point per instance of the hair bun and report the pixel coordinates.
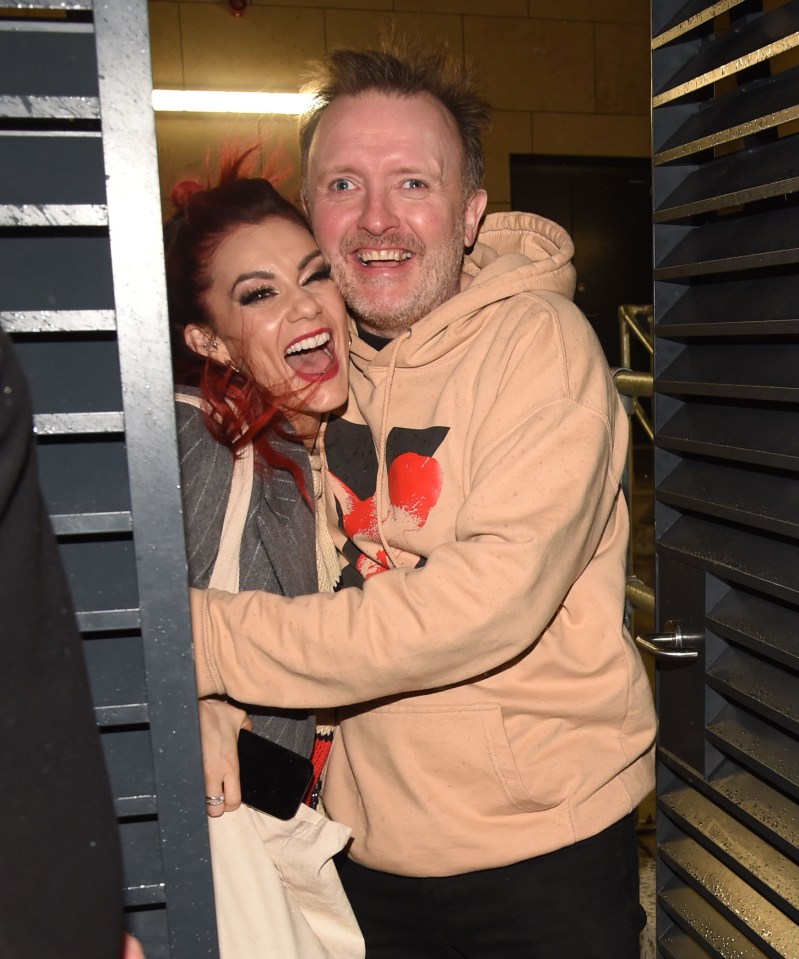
(183, 192)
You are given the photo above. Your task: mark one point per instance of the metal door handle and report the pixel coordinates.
(672, 643)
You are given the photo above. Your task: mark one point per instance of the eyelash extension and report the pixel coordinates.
(321, 274)
(253, 296)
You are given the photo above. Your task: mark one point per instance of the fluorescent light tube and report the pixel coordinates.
(228, 101)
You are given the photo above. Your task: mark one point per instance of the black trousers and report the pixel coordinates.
(580, 902)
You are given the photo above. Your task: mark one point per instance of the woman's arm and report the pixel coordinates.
(220, 723)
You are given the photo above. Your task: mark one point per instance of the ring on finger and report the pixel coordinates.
(214, 800)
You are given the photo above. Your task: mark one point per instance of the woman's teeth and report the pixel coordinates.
(309, 343)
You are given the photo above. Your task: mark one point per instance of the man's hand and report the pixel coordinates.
(220, 723)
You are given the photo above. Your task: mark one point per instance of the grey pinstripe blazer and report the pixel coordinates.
(278, 544)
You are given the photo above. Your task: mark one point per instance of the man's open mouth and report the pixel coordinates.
(382, 256)
(312, 356)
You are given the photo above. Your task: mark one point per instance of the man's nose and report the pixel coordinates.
(378, 214)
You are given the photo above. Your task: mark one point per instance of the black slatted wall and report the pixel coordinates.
(726, 213)
(82, 293)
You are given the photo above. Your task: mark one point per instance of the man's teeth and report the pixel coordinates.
(309, 343)
(368, 256)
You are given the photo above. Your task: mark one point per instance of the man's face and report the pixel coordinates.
(385, 196)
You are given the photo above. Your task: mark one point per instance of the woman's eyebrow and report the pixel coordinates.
(307, 259)
(267, 275)
(254, 275)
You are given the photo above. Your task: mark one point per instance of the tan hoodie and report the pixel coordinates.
(501, 442)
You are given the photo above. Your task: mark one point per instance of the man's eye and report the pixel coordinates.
(256, 295)
(341, 185)
(413, 184)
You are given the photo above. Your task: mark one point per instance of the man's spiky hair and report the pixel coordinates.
(401, 71)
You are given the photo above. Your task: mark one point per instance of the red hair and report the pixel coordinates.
(242, 411)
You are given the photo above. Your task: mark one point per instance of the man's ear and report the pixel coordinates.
(204, 342)
(475, 208)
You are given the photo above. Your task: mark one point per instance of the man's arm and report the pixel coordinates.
(538, 505)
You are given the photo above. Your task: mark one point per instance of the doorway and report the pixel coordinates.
(605, 204)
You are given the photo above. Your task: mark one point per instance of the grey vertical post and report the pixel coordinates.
(125, 87)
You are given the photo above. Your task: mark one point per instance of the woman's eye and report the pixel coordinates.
(256, 295)
(323, 273)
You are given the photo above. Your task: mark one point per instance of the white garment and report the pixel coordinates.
(277, 890)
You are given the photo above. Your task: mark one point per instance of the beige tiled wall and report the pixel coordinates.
(563, 76)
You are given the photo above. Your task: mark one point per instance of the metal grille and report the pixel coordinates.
(82, 294)
(726, 175)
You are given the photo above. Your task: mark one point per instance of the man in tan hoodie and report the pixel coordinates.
(496, 724)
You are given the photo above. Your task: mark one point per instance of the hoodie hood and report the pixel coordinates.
(514, 253)
(529, 251)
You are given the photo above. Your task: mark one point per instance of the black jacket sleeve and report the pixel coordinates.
(60, 882)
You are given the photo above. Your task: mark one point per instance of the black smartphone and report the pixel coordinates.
(273, 779)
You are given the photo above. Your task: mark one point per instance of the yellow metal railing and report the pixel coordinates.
(635, 326)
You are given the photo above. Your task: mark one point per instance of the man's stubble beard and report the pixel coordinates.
(438, 282)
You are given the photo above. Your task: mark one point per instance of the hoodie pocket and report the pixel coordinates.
(459, 753)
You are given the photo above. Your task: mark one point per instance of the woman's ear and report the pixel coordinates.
(205, 342)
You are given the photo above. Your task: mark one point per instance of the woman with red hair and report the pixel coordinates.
(260, 346)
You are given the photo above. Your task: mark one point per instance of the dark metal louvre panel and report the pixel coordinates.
(728, 887)
(761, 687)
(725, 903)
(747, 497)
(767, 811)
(757, 623)
(57, 6)
(52, 180)
(756, 745)
(48, 69)
(754, 174)
(736, 555)
(764, 371)
(750, 306)
(758, 863)
(675, 944)
(752, 41)
(737, 432)
(732, 243)
(759, 105)
(81, 292)
(727, 469)
(689, 17)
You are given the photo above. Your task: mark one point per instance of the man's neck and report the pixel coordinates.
(375, 340)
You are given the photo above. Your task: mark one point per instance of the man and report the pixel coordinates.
(497, 730)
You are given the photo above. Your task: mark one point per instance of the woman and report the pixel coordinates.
(261, 346)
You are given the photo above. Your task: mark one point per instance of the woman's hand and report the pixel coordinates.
(132, 948)
(220, 723)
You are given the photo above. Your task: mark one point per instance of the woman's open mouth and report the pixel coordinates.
(313, 357)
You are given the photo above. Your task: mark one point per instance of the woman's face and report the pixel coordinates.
(279, 316)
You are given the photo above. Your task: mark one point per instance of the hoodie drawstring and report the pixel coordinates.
(381, 446)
